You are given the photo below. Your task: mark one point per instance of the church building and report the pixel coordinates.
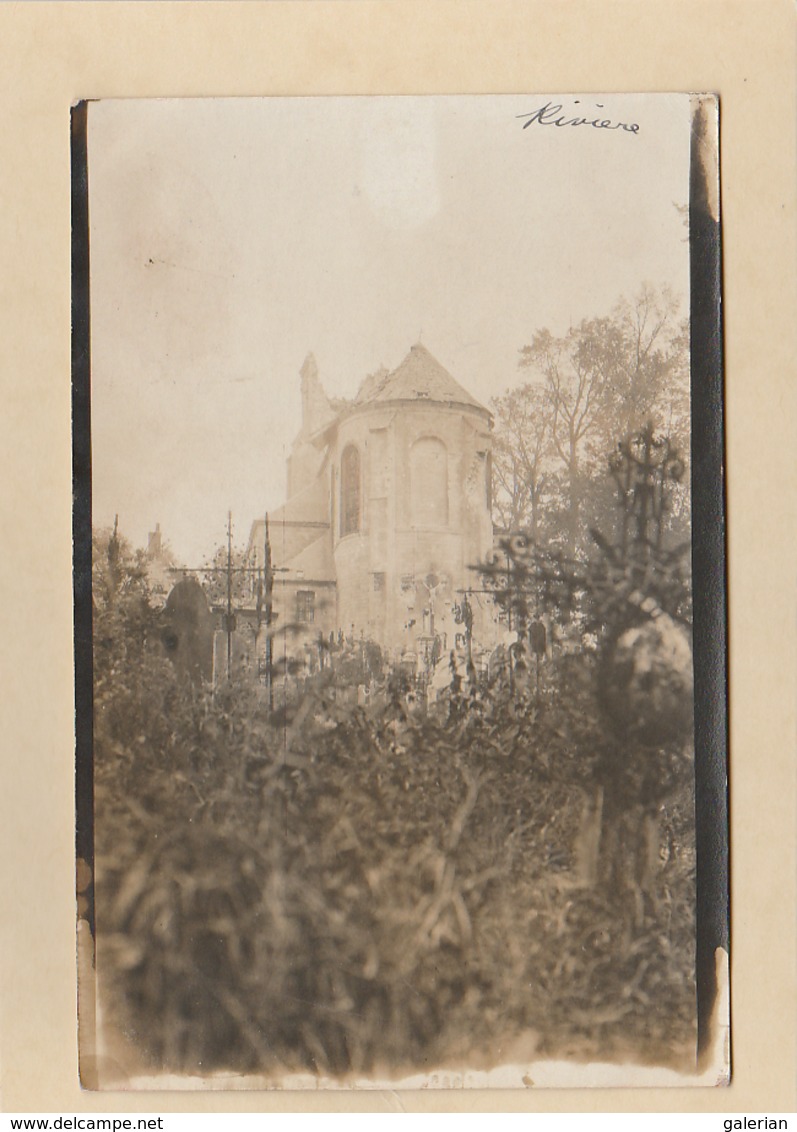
(388, 512)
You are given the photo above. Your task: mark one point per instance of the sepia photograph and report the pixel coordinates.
(397, 447)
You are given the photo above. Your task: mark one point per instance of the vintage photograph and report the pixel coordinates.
(389, 655)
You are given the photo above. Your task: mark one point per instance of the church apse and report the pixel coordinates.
(398, 480)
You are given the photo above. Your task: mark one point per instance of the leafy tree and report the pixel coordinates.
(123, 618)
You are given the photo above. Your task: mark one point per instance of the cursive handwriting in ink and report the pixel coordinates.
(551, 115)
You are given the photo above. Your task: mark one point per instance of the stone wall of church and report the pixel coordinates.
(423, 520)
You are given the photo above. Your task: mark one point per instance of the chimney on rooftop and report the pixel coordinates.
(154, 545)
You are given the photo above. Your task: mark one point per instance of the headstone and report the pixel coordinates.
(187, 633)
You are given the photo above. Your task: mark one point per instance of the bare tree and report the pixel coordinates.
(607, 378)
(574, 389)
(642, 351)
(521, 457)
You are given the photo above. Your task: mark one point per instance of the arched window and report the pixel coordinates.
(429, 482)
(349, 491)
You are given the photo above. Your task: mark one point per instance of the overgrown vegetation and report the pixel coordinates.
(344, 889)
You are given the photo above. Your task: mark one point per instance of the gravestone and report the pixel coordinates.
(187, 634)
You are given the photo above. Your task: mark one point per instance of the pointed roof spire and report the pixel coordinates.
(316, 410)
(309, 370)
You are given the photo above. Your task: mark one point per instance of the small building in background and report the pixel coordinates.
(160, 566)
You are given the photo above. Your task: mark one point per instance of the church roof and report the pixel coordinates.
(294, 525)
(312, 564)
(304, 551)
(420, 377)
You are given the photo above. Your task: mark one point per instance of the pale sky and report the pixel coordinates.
(230, 237)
